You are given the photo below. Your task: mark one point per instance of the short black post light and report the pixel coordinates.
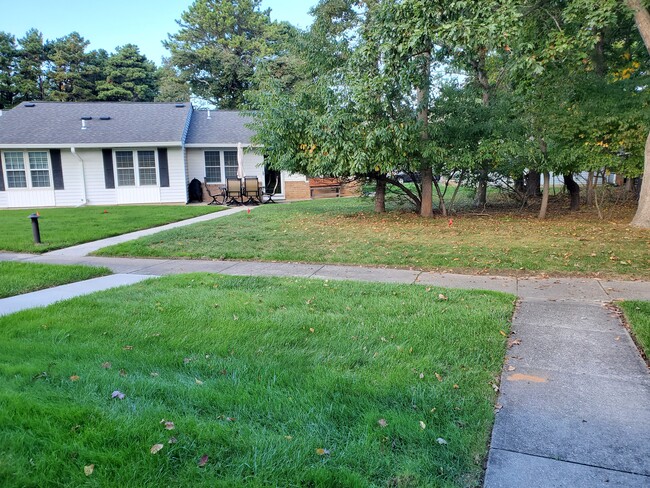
(35, 230)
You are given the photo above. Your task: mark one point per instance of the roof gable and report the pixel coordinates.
(225, 127)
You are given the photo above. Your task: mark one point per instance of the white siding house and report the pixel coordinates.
(112, 153)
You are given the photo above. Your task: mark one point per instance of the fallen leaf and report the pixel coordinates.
(438, 377)
(311, 329)
(172, 440)
(203, 461)
(127, 348)
(323, 452)
(168, 425)
(421, 376)
(74, 377)
(106, 365)
(288, 437)
(88, 470)
(153, 374)
(617, 339)
(198, 381)
(503, 333)
(234, 317)
(511, 368)
(498, 407)
(442, 297)
(456, 387)
(231, 419)
(122, 372)
(441, 441)
(118, 394)
(423, 425)
(514, 342)
(156, 447)
(382, 423)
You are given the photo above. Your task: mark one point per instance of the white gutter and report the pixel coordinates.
(107, 145)
(83, 174)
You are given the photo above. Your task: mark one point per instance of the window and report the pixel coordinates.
(230, 162)
(125, 169)
(212, 167)
(15, 170)
(147, 167)
(39, 169)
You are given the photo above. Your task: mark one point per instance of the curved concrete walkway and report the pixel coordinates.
(574, 406)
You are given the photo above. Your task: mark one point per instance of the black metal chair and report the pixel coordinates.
(252, 190)
(233, 192)
(270, 192)
(217, 198)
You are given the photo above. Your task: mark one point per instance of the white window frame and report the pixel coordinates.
(221, 168)
(27, 170)
(225, 175)
(136, 168)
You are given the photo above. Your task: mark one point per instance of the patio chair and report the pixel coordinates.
(271, 191)
(252, 190)
(233, 191)
(218, 198)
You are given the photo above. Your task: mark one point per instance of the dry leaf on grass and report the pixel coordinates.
(74, 377)
(323, 452)
(118, 394)
(382, 423)
(441, 441)
(203, 461)
(88, 470)
(155, 448)
(423, 425)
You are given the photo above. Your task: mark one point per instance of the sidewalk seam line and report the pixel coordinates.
(571, 462)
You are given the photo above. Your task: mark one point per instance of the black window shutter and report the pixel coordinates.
(109, 177)
(163, 166)
(57, 170)
(2, 178)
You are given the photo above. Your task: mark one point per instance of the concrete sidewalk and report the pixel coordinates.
(42, 298)
(88, 247)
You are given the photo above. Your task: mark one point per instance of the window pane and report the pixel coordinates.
(147, 167)
(40, 178)
(230, 163)
(124, 159)
(14, 160)
(212, 167)
(16, 179)
(38, 160)
(125, 168)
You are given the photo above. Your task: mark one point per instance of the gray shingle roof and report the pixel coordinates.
(58, 123)
(223, 127)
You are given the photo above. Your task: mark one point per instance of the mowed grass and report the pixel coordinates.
(279, 382)
(63, 227)
(638, 316)
(347, 231)
(17, 278)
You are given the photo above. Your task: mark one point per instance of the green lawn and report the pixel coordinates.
(63, 227)
(347, 231)
(17, 278)
(279, 382)
(638, 316)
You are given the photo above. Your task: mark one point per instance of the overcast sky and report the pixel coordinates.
(117, 22)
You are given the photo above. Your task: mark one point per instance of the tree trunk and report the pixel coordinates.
(441, 199)
(422, 94)
(544, 207)
(380, 195)
(574, 191)
(590, 188)
(532, 183)
(642, 216)
(480, 200)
